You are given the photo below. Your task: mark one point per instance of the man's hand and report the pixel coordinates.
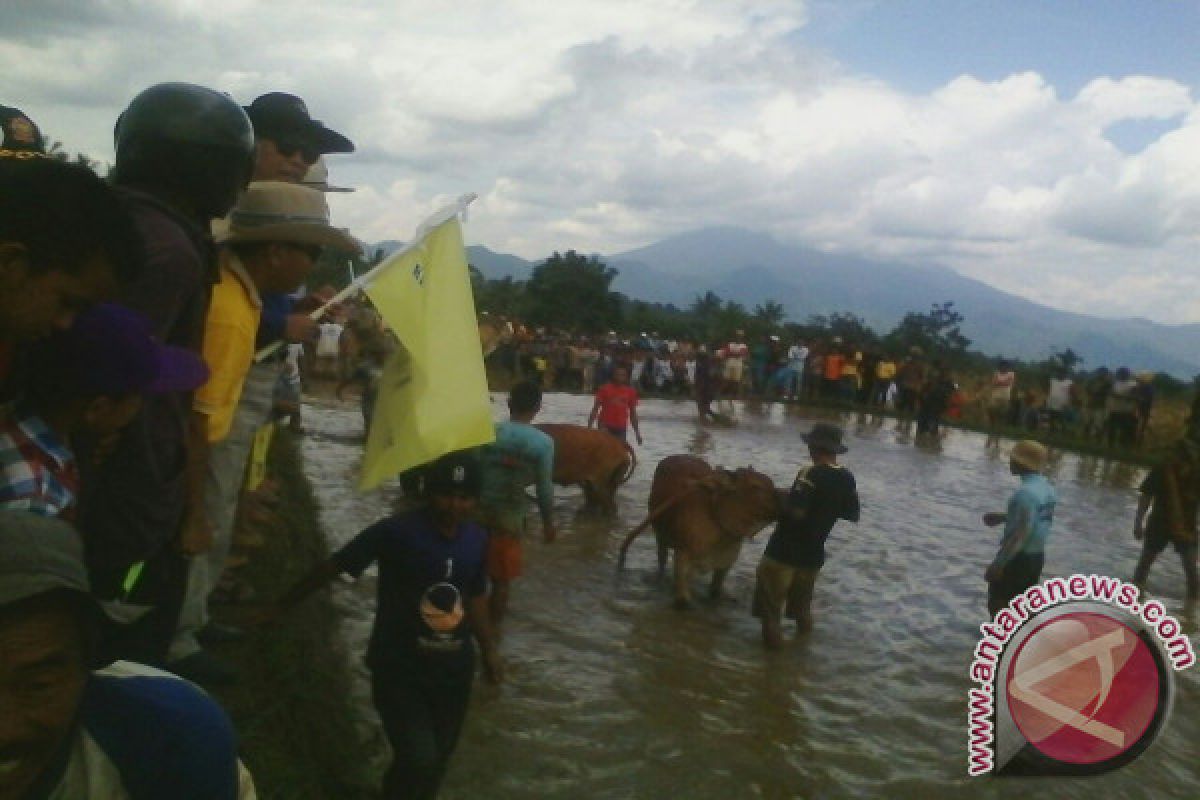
(994, 573)
(300, 328)
(493, 666)
(994, 518)
(197, 535)
(549, 533)
(1139, 530)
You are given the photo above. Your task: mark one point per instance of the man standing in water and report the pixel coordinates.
(432, 596)
(616, 406)
(821, 495)
(1027, 523)
(1171, 493)
(521, 455)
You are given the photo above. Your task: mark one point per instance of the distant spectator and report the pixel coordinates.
(1058, 402)
(1144, 398)
(885, 375)
(1096, 392)
(1121, 426)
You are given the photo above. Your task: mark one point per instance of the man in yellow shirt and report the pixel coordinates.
(273, 238)
(885, 373)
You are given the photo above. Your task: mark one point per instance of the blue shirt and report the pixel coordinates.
(145, 735)
(1033, 501)
(424, 580)
(520, 456)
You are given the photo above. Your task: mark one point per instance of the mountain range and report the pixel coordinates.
(751, 268)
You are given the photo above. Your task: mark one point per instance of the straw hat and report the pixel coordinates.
(273, 211)
(1029, 454)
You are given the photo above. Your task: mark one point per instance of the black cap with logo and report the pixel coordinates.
(453, 473)
(20, 133)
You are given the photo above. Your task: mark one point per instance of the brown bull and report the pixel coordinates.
(596, 460)
(704, 515)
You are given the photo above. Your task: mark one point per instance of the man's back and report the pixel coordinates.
(521, 455)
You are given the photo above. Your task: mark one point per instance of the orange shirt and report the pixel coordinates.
(833, 366)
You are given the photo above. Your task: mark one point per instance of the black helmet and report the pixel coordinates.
(193, 141)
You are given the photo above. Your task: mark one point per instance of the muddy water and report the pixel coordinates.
(612, 694)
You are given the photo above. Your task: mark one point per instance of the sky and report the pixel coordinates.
(1049, 148)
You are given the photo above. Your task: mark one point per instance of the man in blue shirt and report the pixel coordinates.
(520, 456)
(125, 731)
(1027, 524)
(431, 600)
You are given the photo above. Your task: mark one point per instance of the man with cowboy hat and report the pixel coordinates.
(821, 495)
(1027, 523)
(273, 238)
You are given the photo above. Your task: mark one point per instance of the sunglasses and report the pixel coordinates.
(289, 146)
(313, 251)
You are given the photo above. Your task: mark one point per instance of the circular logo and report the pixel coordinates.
(442, 608)
(1086, 689)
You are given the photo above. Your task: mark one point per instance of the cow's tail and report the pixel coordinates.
(625, 476)
(654, 514)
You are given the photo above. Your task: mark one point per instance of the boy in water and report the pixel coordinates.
(432, 599)
(1027, 523)
(520, 456)
(616, 406)
(820, 496)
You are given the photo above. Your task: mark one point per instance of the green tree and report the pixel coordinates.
(572, 292)
(937, 332)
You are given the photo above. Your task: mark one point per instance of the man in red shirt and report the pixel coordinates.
(616, 406)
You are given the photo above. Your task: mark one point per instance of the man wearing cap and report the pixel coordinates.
(273, 238)
(821, 495)
(89, 380)
(183, 154)
(1027, 524)
(125, 731)
(432, 598)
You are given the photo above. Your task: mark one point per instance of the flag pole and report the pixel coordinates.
(439, 217)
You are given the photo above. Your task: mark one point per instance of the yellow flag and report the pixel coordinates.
(433, 394)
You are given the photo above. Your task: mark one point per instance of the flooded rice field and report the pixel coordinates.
(611, 693)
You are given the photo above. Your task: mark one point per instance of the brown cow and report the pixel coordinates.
(704, 515)
(596, 460)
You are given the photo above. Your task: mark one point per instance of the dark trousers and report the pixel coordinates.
(422, 716)
(162, 585)
(1023, 571)
(1154, 544)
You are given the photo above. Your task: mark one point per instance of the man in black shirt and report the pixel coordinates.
(821, 495)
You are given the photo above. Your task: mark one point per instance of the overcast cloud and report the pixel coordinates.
(602, 126)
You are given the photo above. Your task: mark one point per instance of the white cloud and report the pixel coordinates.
(605, 125)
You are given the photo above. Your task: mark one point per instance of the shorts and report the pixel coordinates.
(783, 589)
(1158, 537)
(503, 556)
(1021, 572)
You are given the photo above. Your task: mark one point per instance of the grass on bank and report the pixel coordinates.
(291, 706)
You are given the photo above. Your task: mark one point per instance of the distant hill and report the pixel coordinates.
(751, 268)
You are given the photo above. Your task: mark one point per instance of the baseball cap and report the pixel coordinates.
(20, 132)
(453, 473)
(277, 114)
(38, 554)
(111, 350)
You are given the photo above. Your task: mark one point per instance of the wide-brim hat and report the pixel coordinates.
(1030, 455)
(825, 436)
(277, 114)
(274, 211)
